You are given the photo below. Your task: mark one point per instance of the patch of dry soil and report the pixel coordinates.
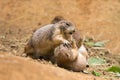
(15, 67)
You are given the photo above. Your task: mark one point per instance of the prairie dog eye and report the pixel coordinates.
(67, 24)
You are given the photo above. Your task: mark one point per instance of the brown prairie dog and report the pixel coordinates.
(70, 58)
(76, 35)
(47, 38)
(65, 54)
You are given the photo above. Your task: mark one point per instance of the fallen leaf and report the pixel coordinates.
(96, 61)
(89, 44)
(114, 69)
(99, 44)
(96, 73)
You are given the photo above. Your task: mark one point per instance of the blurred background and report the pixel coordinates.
(97, 18)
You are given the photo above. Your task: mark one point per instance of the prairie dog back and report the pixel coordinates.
(45, 39)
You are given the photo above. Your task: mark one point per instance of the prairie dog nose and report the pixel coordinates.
(87, 65)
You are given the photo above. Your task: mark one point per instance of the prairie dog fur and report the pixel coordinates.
(65, 54)
(47, 38)
(76, 35)
(57, 19)
(70, 58)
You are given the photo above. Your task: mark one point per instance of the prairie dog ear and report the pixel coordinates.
(62, 28)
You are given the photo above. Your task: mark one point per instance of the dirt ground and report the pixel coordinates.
(99, 19)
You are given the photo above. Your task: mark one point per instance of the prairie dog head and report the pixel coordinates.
(64, 54)
(57, 19)
(67, 28)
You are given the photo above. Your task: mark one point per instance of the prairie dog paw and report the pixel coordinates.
(66, 44)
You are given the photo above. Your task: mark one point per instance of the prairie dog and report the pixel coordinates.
(65, 54)
(57, 19)
(47, 38)
(70, 58)
(76, 35)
